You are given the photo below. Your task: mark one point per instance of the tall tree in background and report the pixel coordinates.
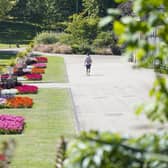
(97, 7)
(59, 10)
(29, 10)
(5, 7)
(45, 11)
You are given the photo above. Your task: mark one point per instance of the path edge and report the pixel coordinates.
(75, 113)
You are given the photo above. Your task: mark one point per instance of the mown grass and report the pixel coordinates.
(5, 59)
(56, 71)
(8, 46)
(50, 117)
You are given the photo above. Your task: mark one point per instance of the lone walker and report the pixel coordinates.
(88, 63)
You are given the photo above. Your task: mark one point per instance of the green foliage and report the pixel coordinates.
(107, 150)
(66, 38)
(82, 48)
(97, 7)
(43, 11)
(5, 7)
(81, 32)
(47, 38)
(104, 39)
(157, 111)
(83, 28)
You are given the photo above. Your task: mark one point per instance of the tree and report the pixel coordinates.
(5, 7)
(97, 7)
(43, 11)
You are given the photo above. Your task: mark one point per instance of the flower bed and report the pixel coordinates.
(7, 93)
(4, 76)
(38, 70)
(2, 102)
(33, 77)
(19, 102)
(41, 59)
(40, 65)
(25, 89)
(11, 124)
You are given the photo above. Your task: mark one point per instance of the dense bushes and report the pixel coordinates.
(46, 38)
(81, 36)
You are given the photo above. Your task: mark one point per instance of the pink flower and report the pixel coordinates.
(2, 157)
(42, 59)
(40, 65)
(23, 89)
(11, 124)
(33, 76)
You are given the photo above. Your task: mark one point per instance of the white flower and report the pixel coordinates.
(2, 101)
(9, 91)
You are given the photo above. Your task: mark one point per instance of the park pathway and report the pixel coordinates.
(106, 100)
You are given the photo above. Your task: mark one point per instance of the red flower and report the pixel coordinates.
(42, 59)
(2, 157)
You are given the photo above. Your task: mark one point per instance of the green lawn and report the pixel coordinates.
(5, 59)
(50, 117)
(2, 46)
(55, 71)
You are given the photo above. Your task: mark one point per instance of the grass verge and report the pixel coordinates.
(50, 117)
(55, 71)
(8, 46)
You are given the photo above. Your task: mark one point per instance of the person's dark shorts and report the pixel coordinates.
(88, 66)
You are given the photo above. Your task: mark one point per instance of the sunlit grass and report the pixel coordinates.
(50, 117)
(55, 71)
(8, 46)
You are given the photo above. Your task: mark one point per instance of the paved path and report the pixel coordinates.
(12, 50)
(106, 99)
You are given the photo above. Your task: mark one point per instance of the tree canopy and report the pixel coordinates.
(5, 7)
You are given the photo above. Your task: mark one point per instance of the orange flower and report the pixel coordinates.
(19, 102)
(38, 70)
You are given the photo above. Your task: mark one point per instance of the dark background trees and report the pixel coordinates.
(51, 11)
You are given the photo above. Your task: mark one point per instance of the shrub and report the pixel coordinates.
(66, 38)
(116, 50)
(104, 39)
(48, 48)
(102, 51)
(81, 48)
(54, 48)
(47, 38)
(62, 48)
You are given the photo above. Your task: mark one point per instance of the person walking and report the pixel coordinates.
(88, 64)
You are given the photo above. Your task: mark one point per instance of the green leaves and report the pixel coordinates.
(109, 150)
(119, 28)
